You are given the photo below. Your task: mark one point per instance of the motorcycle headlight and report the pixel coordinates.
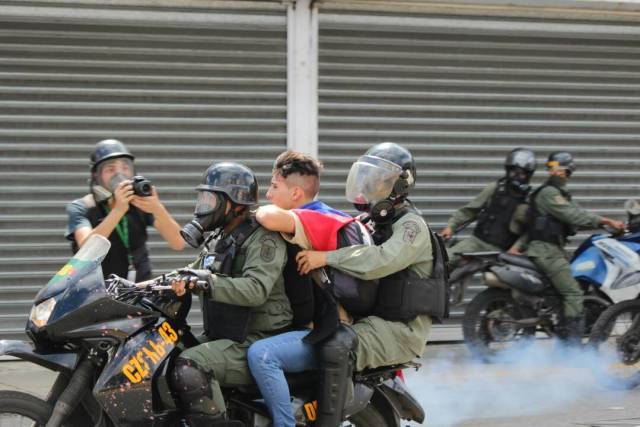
(40, 313)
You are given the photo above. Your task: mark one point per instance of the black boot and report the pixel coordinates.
(574, 329)
(336, 369)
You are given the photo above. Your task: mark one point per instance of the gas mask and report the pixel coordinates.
(209, 215)
(518, 179)
(102, 191)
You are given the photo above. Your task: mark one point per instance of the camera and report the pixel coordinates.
(141, 186)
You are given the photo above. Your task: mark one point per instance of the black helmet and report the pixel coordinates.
(522, 158)
(108, 149)
(220, 182)
(238, 182)
(401, 157)
(562, 160)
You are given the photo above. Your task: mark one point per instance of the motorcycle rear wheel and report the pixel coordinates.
(488, 327)
(616, 338)
(370, 416)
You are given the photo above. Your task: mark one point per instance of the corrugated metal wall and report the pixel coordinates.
(186, 86)
(461, 92)
(181, 87)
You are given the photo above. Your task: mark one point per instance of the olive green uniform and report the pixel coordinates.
(550, 257)
(470, 212)
(256, 282)
(383, 342)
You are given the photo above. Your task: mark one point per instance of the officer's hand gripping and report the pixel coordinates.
(191, 280)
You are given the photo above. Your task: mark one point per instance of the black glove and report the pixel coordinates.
(197, 280)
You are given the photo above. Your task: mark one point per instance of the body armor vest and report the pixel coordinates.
(223, 320)
(403, 295)
(116, 261)
(494, 220)
(546, 227)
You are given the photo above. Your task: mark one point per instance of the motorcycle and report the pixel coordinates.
(520, 301)
(616, 333)
(113, 344)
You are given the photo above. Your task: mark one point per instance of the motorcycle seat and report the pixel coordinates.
(519, 260)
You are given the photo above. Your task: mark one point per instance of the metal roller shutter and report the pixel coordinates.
(182, 87)
(460, 92)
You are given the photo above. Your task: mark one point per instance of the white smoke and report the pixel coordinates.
(528, 380)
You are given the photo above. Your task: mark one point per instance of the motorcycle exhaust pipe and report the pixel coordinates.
(531, 321)
(72, 395)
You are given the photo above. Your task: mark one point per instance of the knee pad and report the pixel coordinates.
(338, 347)
(192, 383)
(336, 367)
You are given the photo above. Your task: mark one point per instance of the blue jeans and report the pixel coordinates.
(269, 359)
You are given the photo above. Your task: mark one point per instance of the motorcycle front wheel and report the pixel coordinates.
(21, 409)
(489, 324)
(616, 338)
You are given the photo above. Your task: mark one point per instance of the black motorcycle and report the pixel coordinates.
(113, 345)
(518, 303)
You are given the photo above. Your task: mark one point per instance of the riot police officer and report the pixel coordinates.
(500, 210)
(247, 299)
(112, 210)
(408, 260)
(553, 217)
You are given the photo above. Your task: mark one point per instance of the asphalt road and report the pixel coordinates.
(540, 387)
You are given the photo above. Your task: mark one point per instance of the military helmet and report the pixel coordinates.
(236, 181)
(522, 158)
(400, 156)
(562, 160)
(108, 149)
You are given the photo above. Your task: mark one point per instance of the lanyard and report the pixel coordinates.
(123, 231)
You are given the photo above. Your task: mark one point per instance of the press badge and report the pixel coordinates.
(131, 274)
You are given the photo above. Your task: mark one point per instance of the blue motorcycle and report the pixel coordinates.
(616, 333)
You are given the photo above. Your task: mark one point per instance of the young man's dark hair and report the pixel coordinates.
(294, 165)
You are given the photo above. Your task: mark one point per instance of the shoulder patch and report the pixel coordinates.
(411, 230)
(267, 248)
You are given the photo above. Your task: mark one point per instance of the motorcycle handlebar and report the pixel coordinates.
(613, 231)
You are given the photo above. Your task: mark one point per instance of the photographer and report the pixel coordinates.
(120, 207)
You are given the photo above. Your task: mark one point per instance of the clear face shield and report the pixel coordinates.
(371, 179)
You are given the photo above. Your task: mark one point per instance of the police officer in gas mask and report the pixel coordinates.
(500, 210)
(113, 209)
(242, 262)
